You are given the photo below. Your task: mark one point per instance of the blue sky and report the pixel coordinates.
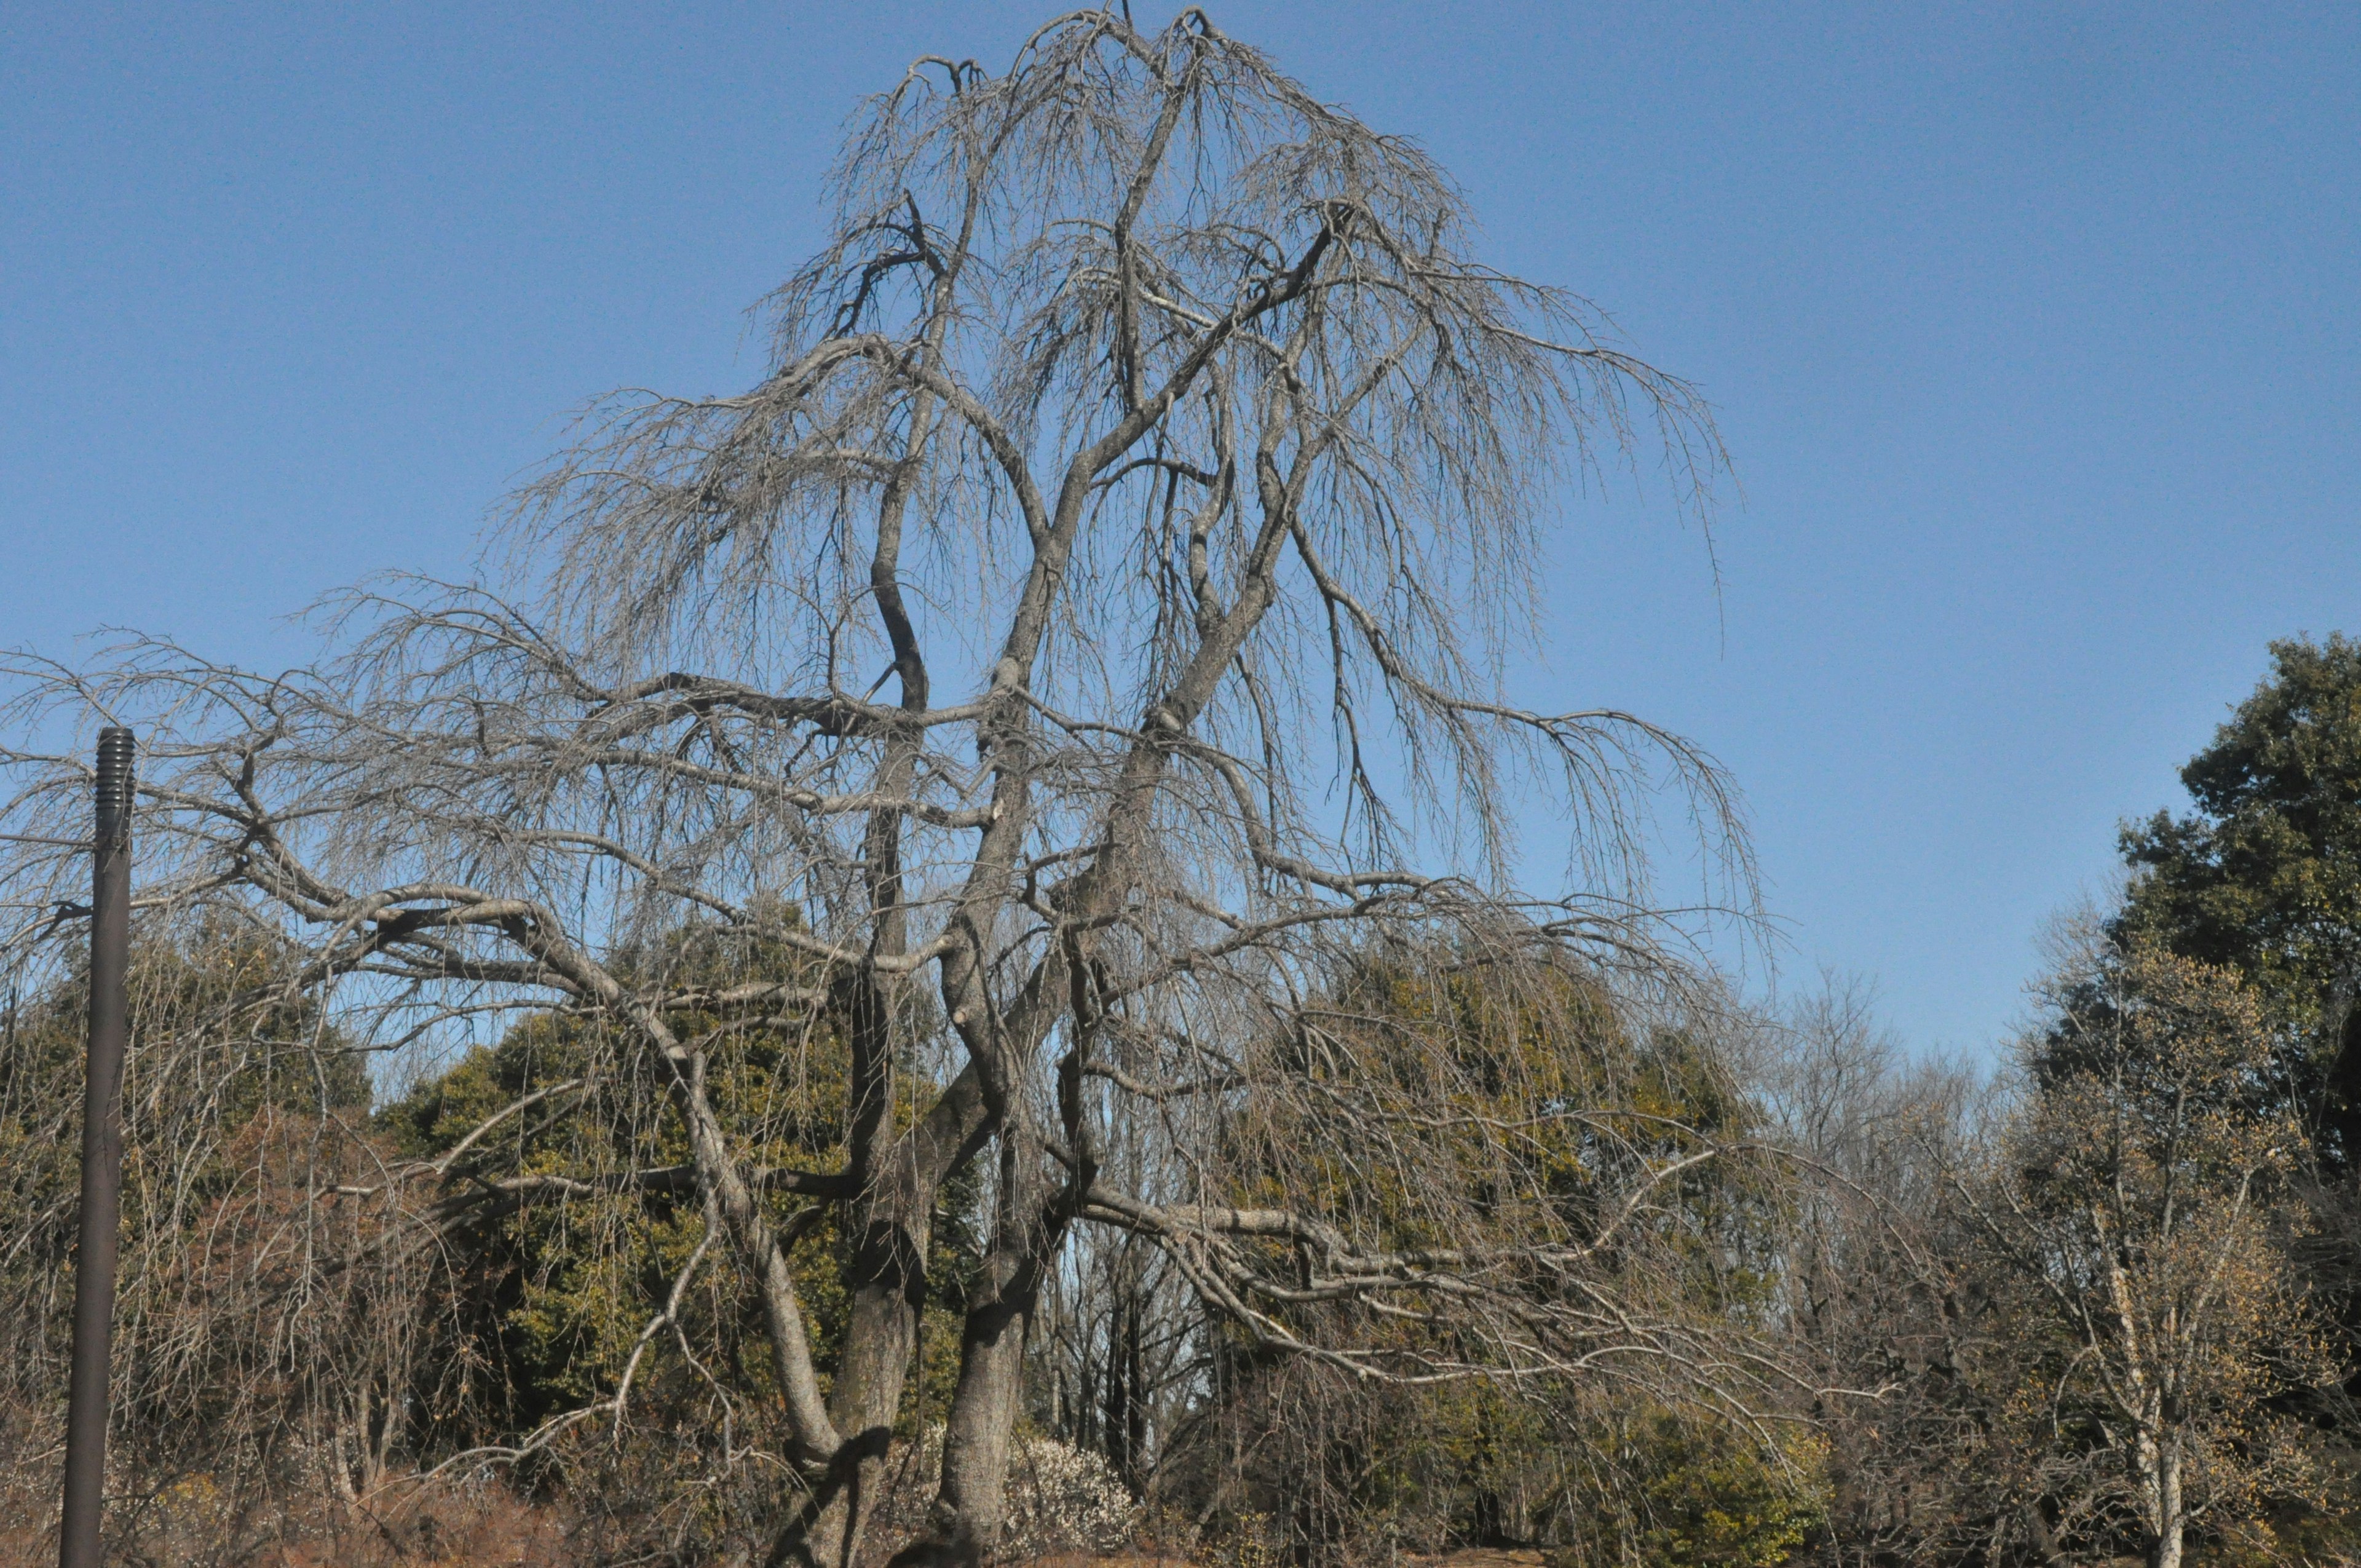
(2032, 331)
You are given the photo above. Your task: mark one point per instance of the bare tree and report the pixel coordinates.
(266, 1331)
(2140, 1206)
(1151, 430)
(1891, 1299)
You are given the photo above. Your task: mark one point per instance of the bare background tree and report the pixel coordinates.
(2076, 1291)
(1077, 665)
(2142, 1207)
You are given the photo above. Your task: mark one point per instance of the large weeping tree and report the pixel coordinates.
(1082, 649)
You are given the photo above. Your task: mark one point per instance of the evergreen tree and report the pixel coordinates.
(2265, 876)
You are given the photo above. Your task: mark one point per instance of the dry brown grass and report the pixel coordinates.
(403, 1527)
(450, 1529)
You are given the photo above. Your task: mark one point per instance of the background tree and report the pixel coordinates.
(574, 1228)
(263, 1330)
(1889, 1300)
(1568, 1133)
(1153, 430)
(2265, 876)
(2138, 1206)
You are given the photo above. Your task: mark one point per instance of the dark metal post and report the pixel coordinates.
(102, 1154)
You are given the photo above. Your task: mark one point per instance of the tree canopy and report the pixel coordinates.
(2264, 874)
(1147, 443)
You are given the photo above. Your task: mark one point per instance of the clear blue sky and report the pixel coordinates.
(2034, 332)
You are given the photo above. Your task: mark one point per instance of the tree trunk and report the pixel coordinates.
(2169, 1520)
(893, 1221)
(2037, 1531)
(970, 1504)
(889, 1283)
(1125, 1429)
(887, 1277)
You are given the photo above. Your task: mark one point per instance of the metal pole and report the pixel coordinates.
(102, 1154)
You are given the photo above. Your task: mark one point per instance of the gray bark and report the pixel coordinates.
(1179, 397)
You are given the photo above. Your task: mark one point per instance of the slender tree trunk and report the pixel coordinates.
(1124, 1431)
(1118, 1422)
(2169, 1520)
(893, 1216)
(341, 1444)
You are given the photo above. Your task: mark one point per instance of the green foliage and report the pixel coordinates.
(1711, 1498)
(1524, 1085)
(1524, 1089)
(559, 1286)
(2265, 876)
(555, 1290)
